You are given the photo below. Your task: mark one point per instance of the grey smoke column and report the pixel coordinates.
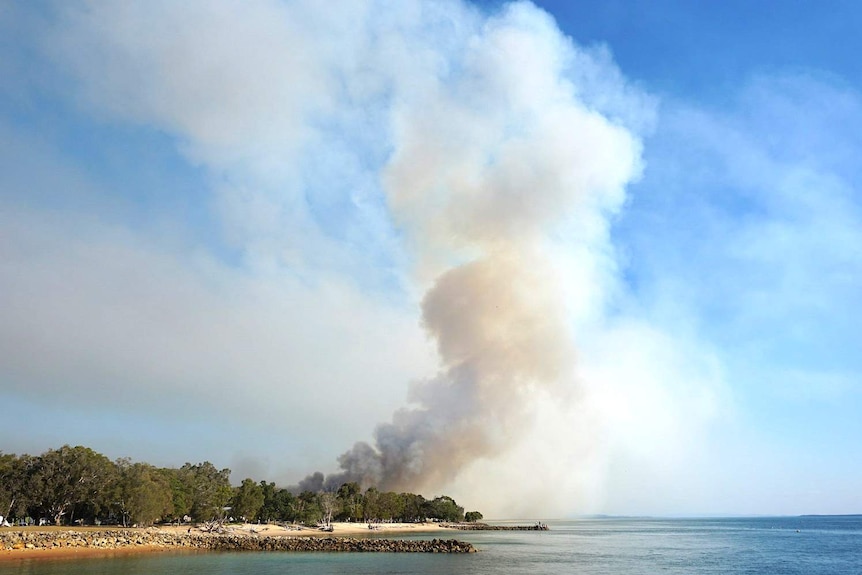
(499, 171)
(499, 337)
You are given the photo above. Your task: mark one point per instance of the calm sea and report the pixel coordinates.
(786, 545)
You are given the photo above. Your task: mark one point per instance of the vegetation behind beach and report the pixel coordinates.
(77, 485)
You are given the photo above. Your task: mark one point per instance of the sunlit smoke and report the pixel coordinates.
(499, 337)
(491, 167)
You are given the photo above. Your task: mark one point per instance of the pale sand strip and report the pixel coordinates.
(432, 530)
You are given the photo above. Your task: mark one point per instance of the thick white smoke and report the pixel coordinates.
(494, 160)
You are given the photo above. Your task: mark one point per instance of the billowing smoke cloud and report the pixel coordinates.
(499, 335)
(493, 163)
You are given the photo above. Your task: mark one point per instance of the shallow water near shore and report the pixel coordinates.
(787, 545)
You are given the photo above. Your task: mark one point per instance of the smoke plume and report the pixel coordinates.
(499, 337)
(492, 169)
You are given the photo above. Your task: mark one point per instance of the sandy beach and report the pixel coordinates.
(389, 530)
(339, 529)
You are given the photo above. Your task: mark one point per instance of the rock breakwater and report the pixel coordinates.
(486, 527)
(130, 538)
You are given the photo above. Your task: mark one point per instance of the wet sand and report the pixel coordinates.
(62, 553)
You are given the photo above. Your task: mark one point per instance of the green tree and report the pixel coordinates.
(444, 508)
(152, 499)
(268, 510)
(414, 506)
(278, 504)
(123, 485)
(247, 500)
(472, 516)
(182, 490)
(207, 488)
(285, 502)
(390, 506)
(212, 491)
(350, 499)
(307, 508)
(14, 473)
(371, 506)
(142, 494)
(62, 478)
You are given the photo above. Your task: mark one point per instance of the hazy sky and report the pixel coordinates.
(577, 257)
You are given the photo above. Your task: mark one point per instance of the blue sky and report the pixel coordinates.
(221, 229)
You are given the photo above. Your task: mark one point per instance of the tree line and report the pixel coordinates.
(78, 485)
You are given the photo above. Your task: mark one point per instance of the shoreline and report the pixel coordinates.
(88, 542)
(61, 554)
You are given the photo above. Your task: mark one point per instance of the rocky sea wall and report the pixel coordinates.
(126, 538)
(486, 527)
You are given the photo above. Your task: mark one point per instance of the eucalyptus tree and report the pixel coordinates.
(60, 479)
(14, 473)
(329, 505)
(142, 494)
(182, 490)
(209, 488)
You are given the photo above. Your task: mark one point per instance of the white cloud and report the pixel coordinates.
(744, 233)
(98, 315)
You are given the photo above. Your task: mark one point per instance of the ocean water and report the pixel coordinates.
(729, 546)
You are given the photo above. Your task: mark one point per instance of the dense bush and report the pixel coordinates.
(76, 484)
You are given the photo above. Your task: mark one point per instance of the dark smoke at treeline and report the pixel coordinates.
(499, 340)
